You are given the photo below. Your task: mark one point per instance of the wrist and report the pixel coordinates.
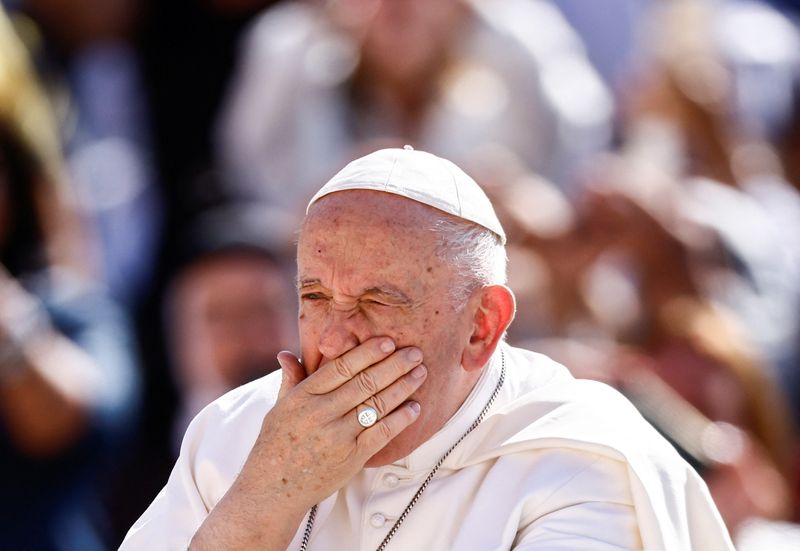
(268, 497)
(248, 518)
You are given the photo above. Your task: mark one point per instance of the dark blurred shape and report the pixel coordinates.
(188, 50)
(79, 24)
(68, 381)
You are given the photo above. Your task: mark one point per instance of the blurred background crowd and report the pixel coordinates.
(156, 158)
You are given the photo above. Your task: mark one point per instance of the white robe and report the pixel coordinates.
(558, 464)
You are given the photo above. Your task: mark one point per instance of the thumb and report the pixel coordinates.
(292, 372)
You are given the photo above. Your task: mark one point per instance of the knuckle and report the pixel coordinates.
(379, 404)
(363, 445)
(384, 430)
(366, 383)
(342, 367)
(401, 389)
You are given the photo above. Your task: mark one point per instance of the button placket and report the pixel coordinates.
(377, 520)
(391, 480)
(383, 504)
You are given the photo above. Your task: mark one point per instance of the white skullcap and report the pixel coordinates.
(419, 176)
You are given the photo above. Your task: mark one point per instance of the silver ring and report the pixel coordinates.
(367, 417)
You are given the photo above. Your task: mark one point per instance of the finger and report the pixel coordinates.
(370, 382)
(338, 371)
(370, 441)
(292, 372)
(394, 393)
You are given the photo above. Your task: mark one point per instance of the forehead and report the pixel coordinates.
(366, 212)
(368, 237)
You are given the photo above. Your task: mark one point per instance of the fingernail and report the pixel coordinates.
(414, 407)
(419, 372)
(414, 354)
(387, 345)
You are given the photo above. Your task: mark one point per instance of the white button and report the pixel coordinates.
(377, 520)
(391, 480)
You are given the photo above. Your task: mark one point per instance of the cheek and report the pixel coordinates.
(406, 329)
(393, 323)
(445, 333)
(309, 323)
(309, 312)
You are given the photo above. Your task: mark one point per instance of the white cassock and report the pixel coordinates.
(558, 464)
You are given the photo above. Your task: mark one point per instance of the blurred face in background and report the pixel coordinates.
(231, 313)
(401, 39)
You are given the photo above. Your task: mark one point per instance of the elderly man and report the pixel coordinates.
(407, 422)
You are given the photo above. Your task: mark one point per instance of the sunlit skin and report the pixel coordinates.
(373, 295)
(367, 266)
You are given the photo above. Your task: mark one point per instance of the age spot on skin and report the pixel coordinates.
(284, 481)
(430, 269)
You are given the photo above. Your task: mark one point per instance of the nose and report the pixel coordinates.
(341, 332)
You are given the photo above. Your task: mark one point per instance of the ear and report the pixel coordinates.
(492, 315)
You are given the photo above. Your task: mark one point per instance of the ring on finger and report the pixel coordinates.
(367, 416)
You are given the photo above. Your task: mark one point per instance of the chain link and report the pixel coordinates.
(309, 525)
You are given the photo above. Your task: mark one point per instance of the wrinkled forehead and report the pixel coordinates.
(367, 233)
(352, 209)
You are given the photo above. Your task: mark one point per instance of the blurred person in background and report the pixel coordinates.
(68, 382)
(318, 82)
(714, 108)
(85, 53)
(227, 314)
(616, 297)
(703, 352)
(708, 108)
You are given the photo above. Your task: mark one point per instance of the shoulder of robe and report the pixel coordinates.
(228, 426)
(543, 406)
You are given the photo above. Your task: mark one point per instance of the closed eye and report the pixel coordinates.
(373, 302)
(313, 296)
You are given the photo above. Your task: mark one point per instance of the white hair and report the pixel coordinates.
(477, 254)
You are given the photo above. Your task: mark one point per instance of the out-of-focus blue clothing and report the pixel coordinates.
(109, 156)
(52, 504)
(609, 31)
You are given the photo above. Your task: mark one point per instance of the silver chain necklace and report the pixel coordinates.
(313, 513)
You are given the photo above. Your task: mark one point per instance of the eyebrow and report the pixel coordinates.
(306, 282)
(388, 291)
